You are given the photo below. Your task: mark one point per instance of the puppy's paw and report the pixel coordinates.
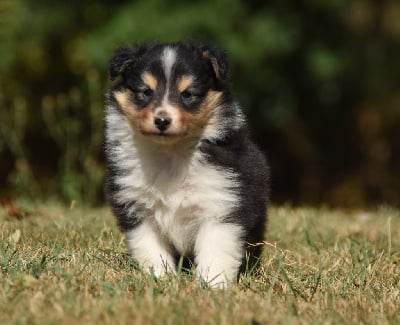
(219, 282)
(159, 270)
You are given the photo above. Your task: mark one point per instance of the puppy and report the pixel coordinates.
(184, 178)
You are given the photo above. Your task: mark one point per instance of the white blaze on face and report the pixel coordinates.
(168, 59)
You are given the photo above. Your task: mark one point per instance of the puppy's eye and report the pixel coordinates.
(148, 92)
(185, 95)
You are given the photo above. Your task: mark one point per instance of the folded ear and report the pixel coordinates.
(124, 58)
(218, 60)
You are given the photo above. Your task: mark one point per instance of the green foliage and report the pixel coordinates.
(318, 80)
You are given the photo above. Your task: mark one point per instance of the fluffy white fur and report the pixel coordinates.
(218, 257)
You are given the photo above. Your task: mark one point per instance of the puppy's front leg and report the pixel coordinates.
(219, 253)
(150, 249)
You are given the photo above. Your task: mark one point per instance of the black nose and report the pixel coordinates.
(162, 123)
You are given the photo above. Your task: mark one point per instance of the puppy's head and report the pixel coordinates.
(168, 92)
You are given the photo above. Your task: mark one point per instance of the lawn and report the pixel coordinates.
(69, 265)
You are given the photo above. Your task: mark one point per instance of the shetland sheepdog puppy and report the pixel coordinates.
(184, 178)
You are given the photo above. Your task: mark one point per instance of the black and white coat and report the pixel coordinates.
(184, 178)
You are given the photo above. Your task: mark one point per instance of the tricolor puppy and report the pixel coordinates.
(184, 179)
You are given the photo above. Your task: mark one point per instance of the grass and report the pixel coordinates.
(69, 265)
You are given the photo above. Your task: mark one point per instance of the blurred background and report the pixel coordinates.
(319, 81)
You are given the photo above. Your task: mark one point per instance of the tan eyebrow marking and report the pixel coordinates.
(126, 105)
(150, 80)
(184, 82)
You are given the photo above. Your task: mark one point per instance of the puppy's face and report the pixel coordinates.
(168, 92)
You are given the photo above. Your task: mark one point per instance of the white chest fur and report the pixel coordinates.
(175, 190)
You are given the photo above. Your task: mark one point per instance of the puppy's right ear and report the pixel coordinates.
(120, 61)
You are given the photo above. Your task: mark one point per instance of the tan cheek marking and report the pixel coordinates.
(134, 116)
(126, 105)
(198, 120)
(212, 99)
(150, 80)
(122, 98)
(184, 82)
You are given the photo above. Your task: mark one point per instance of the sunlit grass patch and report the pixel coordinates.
(70, 265)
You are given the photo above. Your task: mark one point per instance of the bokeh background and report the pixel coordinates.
(319, 81)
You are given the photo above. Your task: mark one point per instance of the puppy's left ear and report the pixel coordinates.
(218, 60)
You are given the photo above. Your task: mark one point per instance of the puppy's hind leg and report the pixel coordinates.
(150, 249)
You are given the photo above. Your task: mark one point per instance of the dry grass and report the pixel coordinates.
(62, 265)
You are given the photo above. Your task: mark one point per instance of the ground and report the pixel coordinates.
(69, 265)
